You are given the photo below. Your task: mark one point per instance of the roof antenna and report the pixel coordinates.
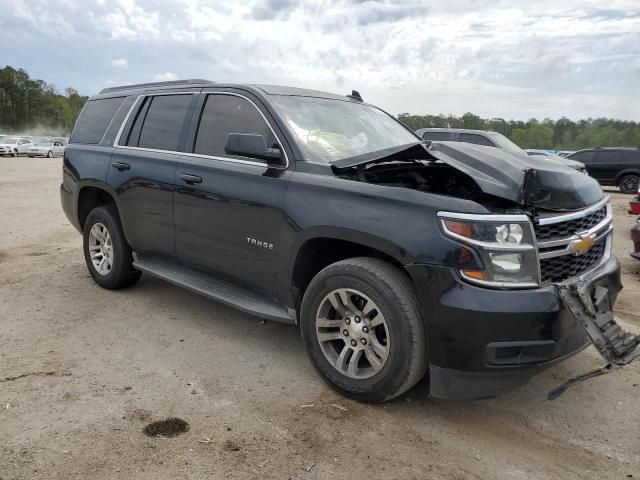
(355, 95)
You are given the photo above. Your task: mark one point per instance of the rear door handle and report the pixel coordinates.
(121, 166)
(190, 179)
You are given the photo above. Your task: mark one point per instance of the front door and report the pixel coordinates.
(228, 209)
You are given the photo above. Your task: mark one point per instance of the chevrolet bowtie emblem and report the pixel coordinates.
(582, 246)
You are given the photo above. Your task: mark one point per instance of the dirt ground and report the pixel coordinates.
(84, 370)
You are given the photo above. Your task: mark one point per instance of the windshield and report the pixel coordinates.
(329, 130)
(505, 144)
(44, 143)
(9, 140)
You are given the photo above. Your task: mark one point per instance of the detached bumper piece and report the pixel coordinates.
(592, 310)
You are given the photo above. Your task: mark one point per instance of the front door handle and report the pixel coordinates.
(190, 179)
(121, 166)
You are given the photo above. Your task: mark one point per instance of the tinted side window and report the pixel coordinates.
(225, 114)
(437, 136)
(475, 139)
(633, 156)
(94, 120)
(609, 156)
(160, 122)
(584, 157)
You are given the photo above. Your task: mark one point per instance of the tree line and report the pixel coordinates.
(27, 104)
(562, 134)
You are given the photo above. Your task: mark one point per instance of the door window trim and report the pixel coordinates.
(135, 108)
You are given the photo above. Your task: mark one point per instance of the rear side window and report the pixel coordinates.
(475, 139)
(225, 114)
(160, 122)
(609, 156)
(436, 136)
(94, 120)
(584, 157)
(632, 156)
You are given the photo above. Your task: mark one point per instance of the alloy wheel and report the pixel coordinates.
(352, 333)
(101, 249)
(630, 184)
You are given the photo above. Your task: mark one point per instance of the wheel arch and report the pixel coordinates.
(321, 247)
(626, 171)
(94, 194)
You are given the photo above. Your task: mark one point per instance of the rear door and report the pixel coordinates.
(143, 166)
(229, 222)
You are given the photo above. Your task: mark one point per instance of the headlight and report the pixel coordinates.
(503, 244)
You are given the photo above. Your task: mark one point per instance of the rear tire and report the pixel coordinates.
(629, 183)
(106, 251)
(353, 309)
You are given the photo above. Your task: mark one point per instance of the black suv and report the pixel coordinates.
(395, 257)
(618, 167)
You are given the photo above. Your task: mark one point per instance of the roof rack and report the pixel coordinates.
(189, 81)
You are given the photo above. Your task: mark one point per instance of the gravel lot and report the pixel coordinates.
(83, 370)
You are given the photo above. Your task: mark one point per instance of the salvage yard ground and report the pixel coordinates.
(83, 372)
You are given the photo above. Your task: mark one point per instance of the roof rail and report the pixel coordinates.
(156, 84)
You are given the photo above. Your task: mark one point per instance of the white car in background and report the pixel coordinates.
(46, 148)
(15, 146)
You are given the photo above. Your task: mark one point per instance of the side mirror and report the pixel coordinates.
(252, 146)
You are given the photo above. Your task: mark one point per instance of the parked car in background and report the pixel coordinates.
(635, 238)
(481, 137)
(617, 167)
(557, 158)
(14, 146)
(63, 140)
(46, 148)
(634, 205)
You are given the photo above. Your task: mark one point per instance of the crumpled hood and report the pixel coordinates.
(522, 179)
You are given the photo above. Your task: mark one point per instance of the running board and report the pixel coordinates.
(217, 289)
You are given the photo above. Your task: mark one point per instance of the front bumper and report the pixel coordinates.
(485, 342)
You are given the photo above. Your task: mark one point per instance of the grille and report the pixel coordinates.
(559, 269)
(566, 229)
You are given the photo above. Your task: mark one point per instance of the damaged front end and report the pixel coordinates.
(570, 217)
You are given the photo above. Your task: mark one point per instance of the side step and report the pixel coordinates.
(217, 289)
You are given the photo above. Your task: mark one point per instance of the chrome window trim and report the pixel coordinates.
(116, 143)
(574, 215)
(124, 99)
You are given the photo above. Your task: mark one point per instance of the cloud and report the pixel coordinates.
(496, 58)
(119, 63)
(165, 77)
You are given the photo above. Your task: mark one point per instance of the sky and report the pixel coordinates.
(495, 58)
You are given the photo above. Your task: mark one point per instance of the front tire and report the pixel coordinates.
(14, 153)
(49, 154)
(106, 251)
(363, 330)
(629, 183)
